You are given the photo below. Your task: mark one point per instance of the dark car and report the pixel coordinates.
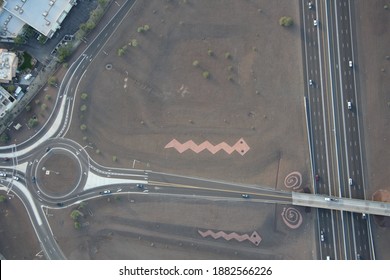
(60, 204)
(34, 179)
(317, 177)
(48, 149)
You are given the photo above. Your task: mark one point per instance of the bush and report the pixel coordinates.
(43, 107)
(3, 198)
(4, 138)
(97, 151)
(77, 225)
(83, 108)
(134, 43)
(146, 27)
(114, 159)
(195, 63)
(210, 52)
(206, 75)
(286, 21)
(83, 127)
(85, 138)
(52, 81)
(48, 97)
(33, 122)
(75, 214)
(228, 55)
(140, 29)
(84, 96)
(28, 108)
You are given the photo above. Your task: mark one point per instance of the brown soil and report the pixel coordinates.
(373, 25)
(17, 236)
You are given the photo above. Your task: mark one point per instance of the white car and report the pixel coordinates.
(350, 182)
(350, 63)
(310, 5)
(349, 105)
(310, 82)
(3, 174)
(322, 236)
(15, 178)
(315, 22)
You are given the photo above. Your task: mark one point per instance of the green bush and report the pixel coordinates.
(83, 127)
(84, 96)
(286, 21)
(206, 75)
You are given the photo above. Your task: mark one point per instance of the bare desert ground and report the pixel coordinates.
(373, 25)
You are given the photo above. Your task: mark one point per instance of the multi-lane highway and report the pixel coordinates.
(333, 111)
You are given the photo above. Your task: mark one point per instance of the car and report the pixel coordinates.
(244, 195)
(350, 64)
(16, 178)
(140, 186)
(322, 236)
(3, 174)
(350, 182)
(349, 105)
(315, 22)
(334, 199)
(310, 5)
(105, 192)
(48, 149)
(310, 82)
(328, 258)
(60, 204)
(34, 179)
(327, 198)
(6, 159)
(317, 177)
(364, 216)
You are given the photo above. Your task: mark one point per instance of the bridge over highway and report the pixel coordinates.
(344, 204)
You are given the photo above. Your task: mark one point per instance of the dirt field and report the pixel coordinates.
(152, 227)
(153, 93)
(373, 27)
(17, 236)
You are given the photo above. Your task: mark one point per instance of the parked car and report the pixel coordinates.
(16, 178)
(2, 174)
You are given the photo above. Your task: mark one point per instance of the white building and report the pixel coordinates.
(6, 102)
(45, 16)
(8, 65)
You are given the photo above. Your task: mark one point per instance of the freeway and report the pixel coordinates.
(331, 69)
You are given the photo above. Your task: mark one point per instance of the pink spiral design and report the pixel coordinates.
(292, 217)
(293, 180)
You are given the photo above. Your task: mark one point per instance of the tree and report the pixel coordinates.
(63, 52)
(114, 159)
(43, 107)
(11, 88)
(103, 3)
(77, 225)
(210, 52)
(286, 21)
(4, 138)
(32, 122)
(28, 108)
(48, 97)
(134, 43)
(83, 127)
(52, 81)
(3, 198)
(195, 63)
(140, 29)
(83, 108)
(84, 96)
(76, 214)
(228, 55)
(146, 27)
(18, 40)
(122, 51)
(97, 151)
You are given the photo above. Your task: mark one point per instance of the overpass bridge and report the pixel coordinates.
(341, 203)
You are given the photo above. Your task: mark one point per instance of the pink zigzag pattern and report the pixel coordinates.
(254, 238)
(241, 147)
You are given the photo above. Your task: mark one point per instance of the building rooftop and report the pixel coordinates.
(10, 26)
(45, 16)
(6, 101)
(8, 65)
